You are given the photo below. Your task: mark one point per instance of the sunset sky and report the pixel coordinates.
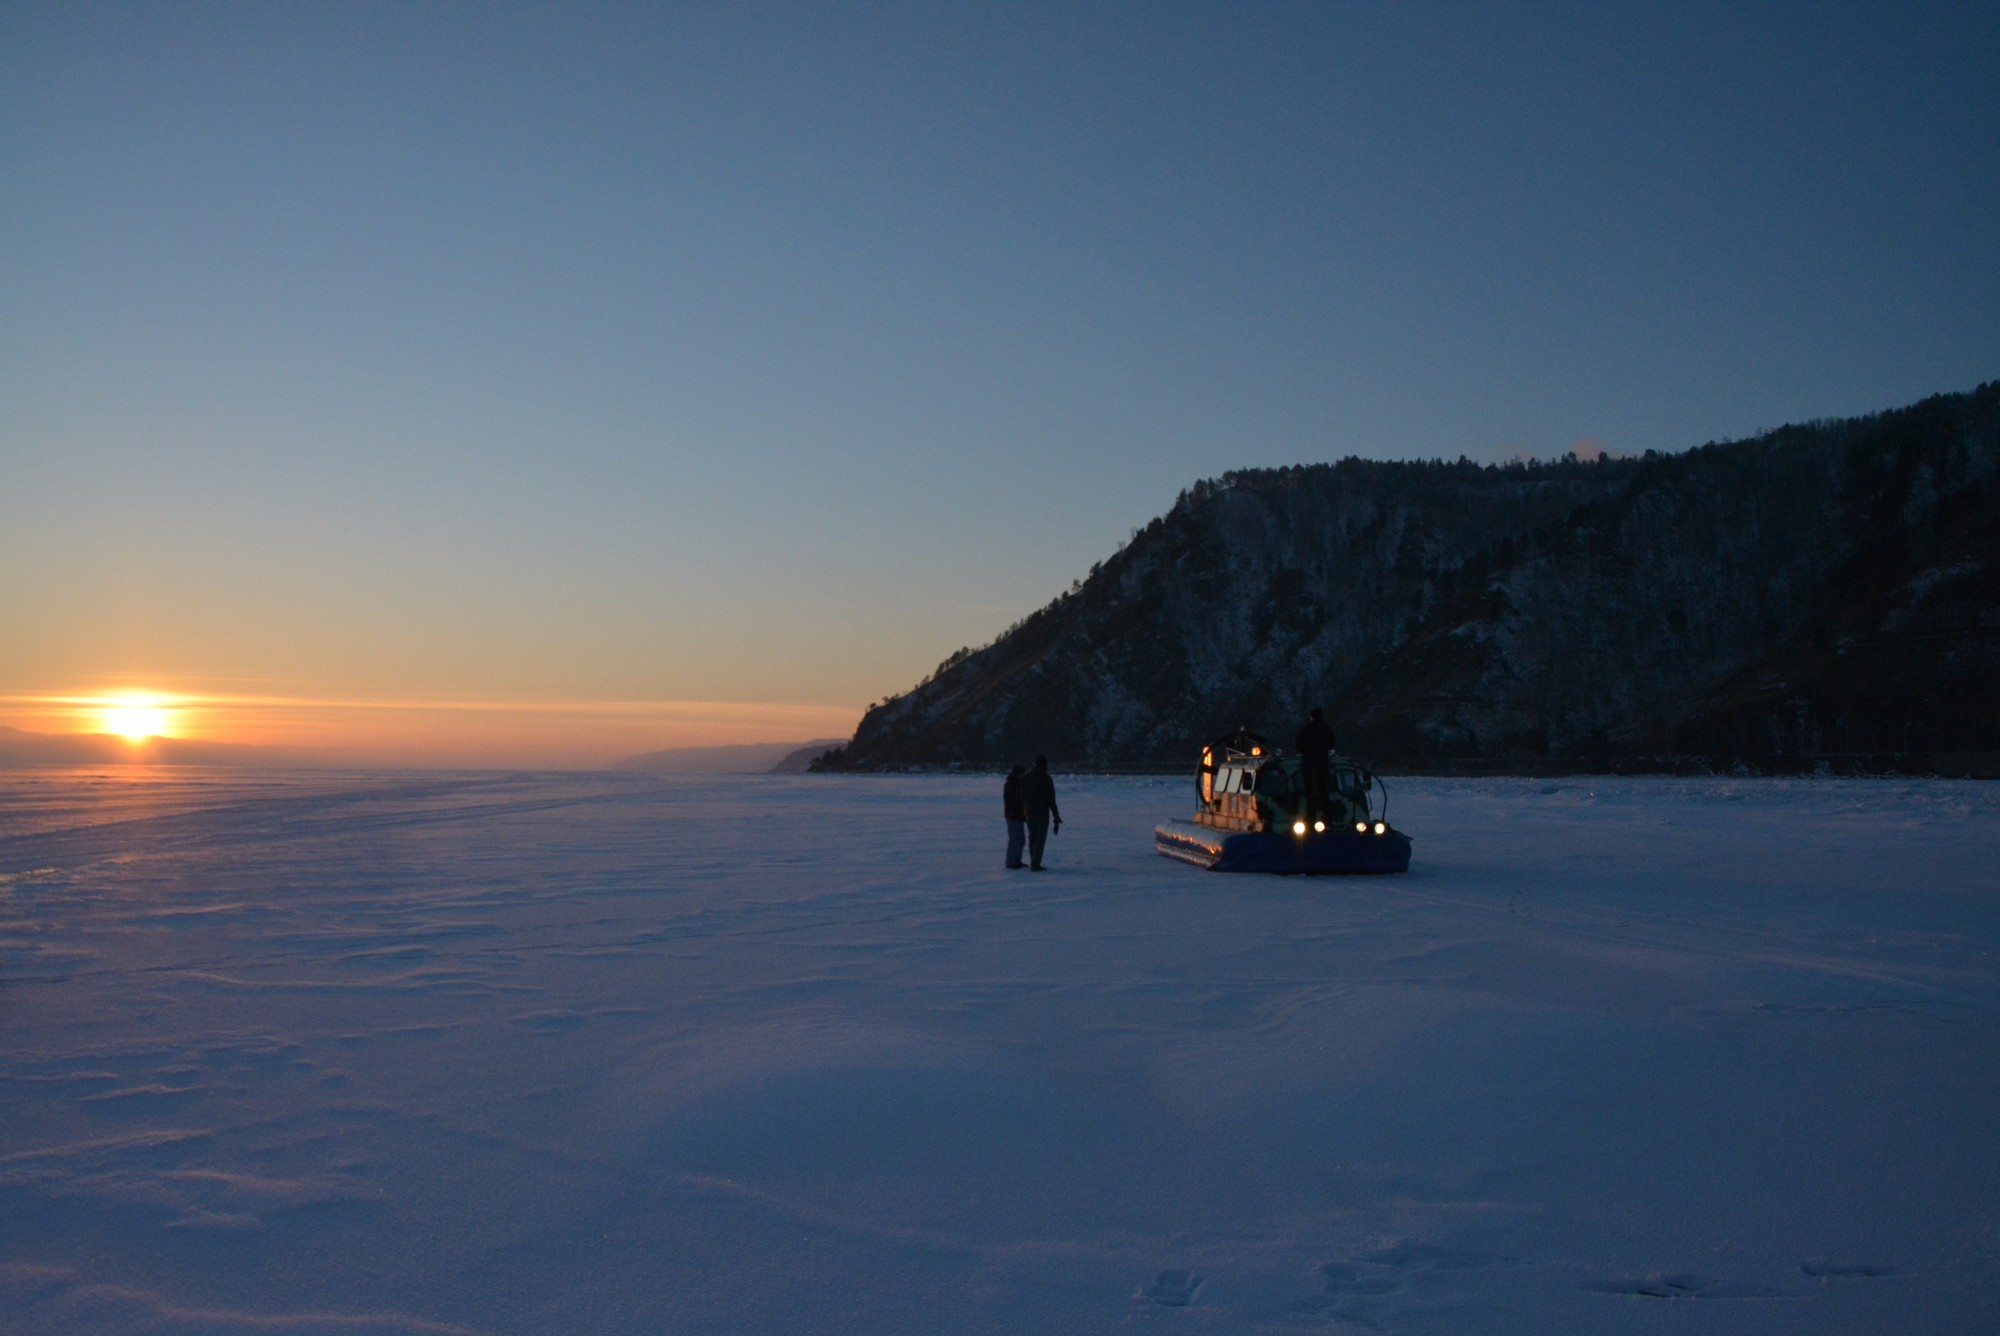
(537, 384)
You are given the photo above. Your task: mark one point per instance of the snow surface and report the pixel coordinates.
(629, 1053)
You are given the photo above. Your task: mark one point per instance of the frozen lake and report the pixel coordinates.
(619, 1053)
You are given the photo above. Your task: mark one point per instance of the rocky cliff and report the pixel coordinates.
(1831, 588)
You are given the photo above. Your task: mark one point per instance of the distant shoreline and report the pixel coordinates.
(1907, 765)
(1910, 765)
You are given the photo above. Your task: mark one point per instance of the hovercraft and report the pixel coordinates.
(1253, 816)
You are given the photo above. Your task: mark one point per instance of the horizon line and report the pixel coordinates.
(99, 698)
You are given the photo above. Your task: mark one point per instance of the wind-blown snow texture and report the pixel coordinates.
(637, 1054)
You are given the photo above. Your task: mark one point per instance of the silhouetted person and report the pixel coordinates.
(1312, 744)
(1038, 797)
(1017, 815)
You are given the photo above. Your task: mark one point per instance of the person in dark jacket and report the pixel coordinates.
(1017, 815)
(1312, 744)
(1038, 797)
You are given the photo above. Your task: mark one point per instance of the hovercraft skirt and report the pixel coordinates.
(1265, 851)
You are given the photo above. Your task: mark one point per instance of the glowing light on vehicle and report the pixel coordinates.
(1319, 826)
(1381, 828)
(1298, 828)
(1361, 828)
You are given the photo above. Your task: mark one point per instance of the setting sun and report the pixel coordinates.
(135, 718)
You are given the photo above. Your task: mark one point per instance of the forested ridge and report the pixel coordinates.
(1830, 589)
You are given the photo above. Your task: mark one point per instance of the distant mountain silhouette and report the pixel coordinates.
(753, 758)
(800, 761)
(19, 747)
(1830, 589)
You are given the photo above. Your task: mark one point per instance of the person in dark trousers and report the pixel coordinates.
(1312, 744)
(1017, 815)
(1038, 796)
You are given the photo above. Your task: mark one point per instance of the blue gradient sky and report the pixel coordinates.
(767, 354)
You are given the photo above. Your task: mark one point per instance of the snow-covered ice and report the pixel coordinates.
(627, 1053)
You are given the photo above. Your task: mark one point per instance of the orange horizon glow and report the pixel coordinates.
(447, 732)
(136, 716)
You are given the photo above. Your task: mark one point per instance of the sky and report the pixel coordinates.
(535, 384)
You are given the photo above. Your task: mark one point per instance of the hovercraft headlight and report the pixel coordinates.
(1381, 828)
(1320, 827)
(1298, 828)
(1361, 828)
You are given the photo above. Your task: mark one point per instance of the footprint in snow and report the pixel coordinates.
(1173, 1288)
(1384, 1271)
(1344, 1278)
(1680, 1285)
(1849, 1270)
(1409, 1256)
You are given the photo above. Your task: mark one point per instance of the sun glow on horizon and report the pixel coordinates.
(450, 732)
(136, 717)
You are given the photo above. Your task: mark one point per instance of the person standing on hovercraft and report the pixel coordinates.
(1038, 796)
(1017, 815)
(1313, 743)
